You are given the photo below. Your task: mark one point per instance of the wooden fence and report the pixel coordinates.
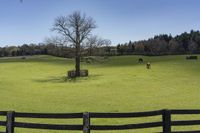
(86, 127)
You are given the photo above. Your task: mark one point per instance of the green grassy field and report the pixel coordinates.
(120, 84)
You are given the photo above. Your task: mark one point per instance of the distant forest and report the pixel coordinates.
(185, 43)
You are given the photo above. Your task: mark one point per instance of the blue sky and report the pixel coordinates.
(117, 20)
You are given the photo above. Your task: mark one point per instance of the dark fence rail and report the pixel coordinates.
(86, 127)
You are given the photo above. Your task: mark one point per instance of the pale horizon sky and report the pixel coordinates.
(117, 20)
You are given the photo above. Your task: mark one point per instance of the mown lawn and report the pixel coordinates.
(119, 84)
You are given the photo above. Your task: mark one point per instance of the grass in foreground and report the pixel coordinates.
(38, 84)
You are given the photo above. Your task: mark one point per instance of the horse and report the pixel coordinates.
(148, 65)
(140, 60)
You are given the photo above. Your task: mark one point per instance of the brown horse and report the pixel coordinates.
(148, 65)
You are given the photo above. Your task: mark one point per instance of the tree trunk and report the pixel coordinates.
(78, 50)
(77, 60)
(78, 66)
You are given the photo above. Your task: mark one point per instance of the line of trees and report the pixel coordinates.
(54, 49)
(186, 43)
(25, 49)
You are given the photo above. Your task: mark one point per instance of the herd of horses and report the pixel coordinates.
(148, 64)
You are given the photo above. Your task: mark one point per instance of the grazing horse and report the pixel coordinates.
(140, 60)
(148, 65)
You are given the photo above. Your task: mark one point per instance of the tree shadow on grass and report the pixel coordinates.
(65, 79)
(60, 79)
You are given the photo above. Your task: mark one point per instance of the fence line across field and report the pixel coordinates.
(86, 127)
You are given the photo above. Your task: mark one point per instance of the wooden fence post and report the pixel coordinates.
(10, 122)
(86, 122)
(166, 117)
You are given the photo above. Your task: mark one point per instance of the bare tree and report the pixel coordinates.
(75, 28)
(174, 46)
(193, 47)
(91, 44)
(106, 43)
(94, 42)
(58, 42)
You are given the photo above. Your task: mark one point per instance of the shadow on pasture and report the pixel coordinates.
(64, 79)
(61, 79)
